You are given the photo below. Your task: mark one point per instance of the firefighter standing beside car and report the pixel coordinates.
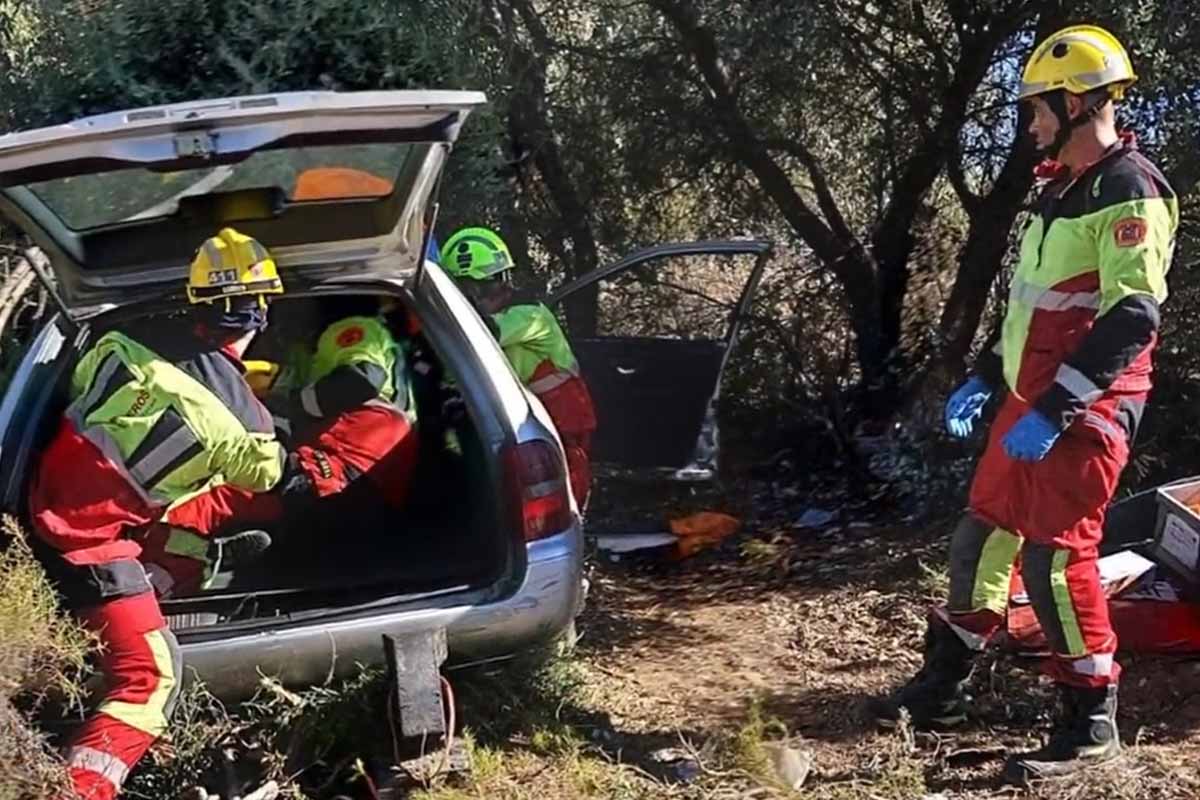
(149, 430)
(1074, 354)
(532, 339)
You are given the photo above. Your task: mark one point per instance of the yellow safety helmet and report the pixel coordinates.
(232, 264)
(1079, 59)
(261, 376)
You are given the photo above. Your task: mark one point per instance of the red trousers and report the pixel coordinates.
(374, 441)
(142, 667)
(82, 504)
(570, 408)
(175, 549)
(88, 510)
(1050, 516)
(83, 507)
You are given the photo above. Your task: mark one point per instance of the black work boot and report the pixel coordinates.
(237, 550)
(1085, 735)
(934, 697)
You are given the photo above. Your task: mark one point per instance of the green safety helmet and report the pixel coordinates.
(477, 254)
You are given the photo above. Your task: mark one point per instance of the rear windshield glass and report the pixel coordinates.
(303, 174)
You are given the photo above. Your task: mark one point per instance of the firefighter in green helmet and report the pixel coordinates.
(531, 337)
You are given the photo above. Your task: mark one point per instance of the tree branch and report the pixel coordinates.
(987, 239)
(746, 145)
(529, 123)
(958, 179)
(820, 183)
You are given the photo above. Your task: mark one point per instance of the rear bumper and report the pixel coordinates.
(542, 607)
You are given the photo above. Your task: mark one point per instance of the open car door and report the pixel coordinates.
(668, 317)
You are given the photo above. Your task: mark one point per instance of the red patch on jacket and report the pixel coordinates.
(1129, 232)
(1051, 170)
(350, 337)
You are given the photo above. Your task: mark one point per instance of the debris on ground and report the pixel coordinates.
(686, 536)
(815, 518)
(633, 542)
(676, 765)
(790, 765)
(701, 531)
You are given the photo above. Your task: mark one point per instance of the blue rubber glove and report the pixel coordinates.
(1031, 438)
(966, 405)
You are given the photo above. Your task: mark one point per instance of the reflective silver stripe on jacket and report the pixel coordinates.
(308, 399)
(1051, 299)
(1078, 384)
(109, 448)
(551, 381)
(168, 450)
(86, 403)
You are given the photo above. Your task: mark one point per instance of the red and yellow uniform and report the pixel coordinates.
(148, 432)
(1075, 345)
(356, 414)
(539, 353)
(535, 345)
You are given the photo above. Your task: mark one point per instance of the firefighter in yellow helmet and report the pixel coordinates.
(160, 426)
(232, 265)
(1074, 77)
(1073, 361)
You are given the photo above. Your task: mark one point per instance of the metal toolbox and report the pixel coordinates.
(1177, 532)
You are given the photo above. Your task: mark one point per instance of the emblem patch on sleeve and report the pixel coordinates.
(1129, 232)
(350, 337)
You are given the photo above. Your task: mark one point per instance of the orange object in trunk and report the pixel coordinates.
(339, 183)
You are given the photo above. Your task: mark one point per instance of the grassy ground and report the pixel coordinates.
(783, 635)
(41, 653)
(781, 639)
(778, 637)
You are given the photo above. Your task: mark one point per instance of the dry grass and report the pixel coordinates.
(41, 649)
(42, 653)
(804, 628)
(716, 658)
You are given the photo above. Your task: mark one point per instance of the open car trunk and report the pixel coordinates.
(349, 549)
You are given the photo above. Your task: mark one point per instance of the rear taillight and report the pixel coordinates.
(537, 485)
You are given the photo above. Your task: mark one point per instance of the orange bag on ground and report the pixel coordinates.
(702, 530)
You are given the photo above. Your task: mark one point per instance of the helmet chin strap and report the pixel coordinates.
(1092, 103)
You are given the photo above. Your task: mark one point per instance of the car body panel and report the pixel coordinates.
(543, 605)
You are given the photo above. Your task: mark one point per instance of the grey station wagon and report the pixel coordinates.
(490, 547)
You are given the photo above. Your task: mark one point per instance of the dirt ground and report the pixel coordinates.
(784, 633)
(687, 677)
(690, 650)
